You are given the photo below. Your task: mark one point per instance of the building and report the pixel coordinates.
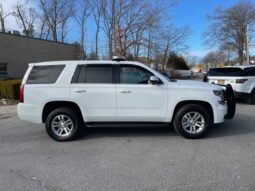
(16, 52)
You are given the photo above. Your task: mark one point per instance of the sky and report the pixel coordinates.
(191, 13)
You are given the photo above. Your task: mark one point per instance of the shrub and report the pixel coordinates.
(9, 89)
(177, 62)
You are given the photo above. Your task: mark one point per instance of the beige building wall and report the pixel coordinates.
(19, 51)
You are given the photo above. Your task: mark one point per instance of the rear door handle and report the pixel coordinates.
(125, 91)
(80, 91)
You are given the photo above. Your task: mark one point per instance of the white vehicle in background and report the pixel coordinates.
(68, 95)
(241, 78)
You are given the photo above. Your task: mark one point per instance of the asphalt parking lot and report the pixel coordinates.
(128, 159)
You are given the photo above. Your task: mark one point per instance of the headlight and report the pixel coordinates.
(220, 93)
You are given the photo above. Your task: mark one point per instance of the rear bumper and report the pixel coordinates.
(30, 113)
(241, 95)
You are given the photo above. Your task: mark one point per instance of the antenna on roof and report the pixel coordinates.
(118, 59)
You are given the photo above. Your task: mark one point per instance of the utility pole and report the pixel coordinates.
(247, 45)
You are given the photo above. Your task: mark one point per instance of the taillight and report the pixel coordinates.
(241, 81)
(21, 93)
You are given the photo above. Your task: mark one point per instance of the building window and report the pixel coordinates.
(3, 69)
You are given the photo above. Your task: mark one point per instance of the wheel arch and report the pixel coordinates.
(50, 106)
(205, 104)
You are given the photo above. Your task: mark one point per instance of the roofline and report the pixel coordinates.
(241, 66)
(76, 62)
(35, 38)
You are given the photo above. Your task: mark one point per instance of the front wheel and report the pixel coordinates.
(192, 121)
(63, 124)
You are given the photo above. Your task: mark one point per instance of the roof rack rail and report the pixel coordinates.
(118, 59)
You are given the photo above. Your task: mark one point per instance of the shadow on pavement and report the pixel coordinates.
(91, 133)
(241, 124)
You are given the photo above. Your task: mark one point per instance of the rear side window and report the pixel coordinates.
(44, 74)
(249, 71)
(94, 74)
(98, 74)
(225, 72)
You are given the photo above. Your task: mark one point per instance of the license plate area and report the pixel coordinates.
(221, 82)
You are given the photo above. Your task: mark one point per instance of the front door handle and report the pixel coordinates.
(80, 91)
(125, 91)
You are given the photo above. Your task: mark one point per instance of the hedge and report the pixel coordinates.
(9, 89)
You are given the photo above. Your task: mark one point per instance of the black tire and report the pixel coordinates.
(68, 113)
(196, 109)
(251, 98)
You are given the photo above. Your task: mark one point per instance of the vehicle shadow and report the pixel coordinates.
(241, 124)
(91, 133)
(243, 102)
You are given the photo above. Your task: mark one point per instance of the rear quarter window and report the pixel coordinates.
(249, 71)
(44, 74)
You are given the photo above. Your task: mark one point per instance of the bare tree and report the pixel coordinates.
(81, 18)
(173, 41)
(44, 30)
(158, 20)
(26, 17)
(126, 24)
(56, 14)
(97, 10)
(213, 58)
(229, 26)
(227, 51)
(109, 23)
(3, 16)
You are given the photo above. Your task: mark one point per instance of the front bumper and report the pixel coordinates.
(220, 112)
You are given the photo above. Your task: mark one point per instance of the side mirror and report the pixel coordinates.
(154, 80)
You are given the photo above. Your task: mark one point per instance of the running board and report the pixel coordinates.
(126, 124)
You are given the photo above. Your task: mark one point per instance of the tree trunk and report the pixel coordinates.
(110, 46)
(240, 57)
(2, 24)
(97, 33)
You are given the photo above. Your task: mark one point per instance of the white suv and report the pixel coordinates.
(241, 78)
(67, 95)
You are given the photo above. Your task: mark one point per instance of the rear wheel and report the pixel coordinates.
(192, 121)
(63, 124)
(251, 99)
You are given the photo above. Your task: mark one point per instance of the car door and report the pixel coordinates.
(93, 88)
(138, 100)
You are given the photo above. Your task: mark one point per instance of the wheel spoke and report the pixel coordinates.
(197, 116)
(186, 126)
(69, 122)
(67, 130)
(59, 130)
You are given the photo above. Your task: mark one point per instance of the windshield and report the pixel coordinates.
(225, 72)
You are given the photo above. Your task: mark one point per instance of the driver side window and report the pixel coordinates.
(134, 75)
